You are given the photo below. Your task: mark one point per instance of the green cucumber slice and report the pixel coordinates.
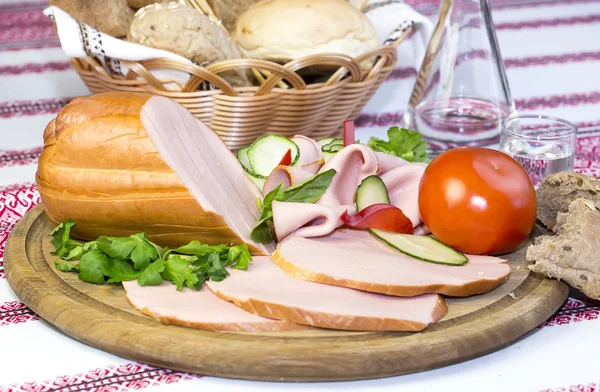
(266, 153)
(327, 155)
(259, 182)
(326, 141)
(421, 247)
(242, 156)
(332, 148)
(335, 142)
(372, 190)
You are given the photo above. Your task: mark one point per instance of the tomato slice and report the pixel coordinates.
(379, 216)
(287, 159)
(349, 136)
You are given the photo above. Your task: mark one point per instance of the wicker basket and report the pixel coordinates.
(240, 115)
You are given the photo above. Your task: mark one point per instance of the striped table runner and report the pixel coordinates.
(552, 55)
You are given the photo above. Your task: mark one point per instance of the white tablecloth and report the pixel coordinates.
(552, 56)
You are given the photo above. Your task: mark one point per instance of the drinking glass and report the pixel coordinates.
(543, 145)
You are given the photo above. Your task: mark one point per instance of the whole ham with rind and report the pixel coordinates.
(119, 164)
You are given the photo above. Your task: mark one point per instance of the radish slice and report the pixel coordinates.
(287, 159)
(379, 216)
(349, 137)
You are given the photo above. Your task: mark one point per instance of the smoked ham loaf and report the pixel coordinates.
(100, 168)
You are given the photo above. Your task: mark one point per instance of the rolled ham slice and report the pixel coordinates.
(356, 259)
(286, 175)
(198, 309)
(310, 150)
(352, 164)
(388, 162)
(204, 164)
(267, 291)
(402, 184)
(307, 220)
(314, 167)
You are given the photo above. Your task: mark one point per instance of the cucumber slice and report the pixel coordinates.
(335, 142)
(242, 156)
(327, 155)
(326, 141)
(421, 247)
(371, 190)
(259, 182)
(266, 153)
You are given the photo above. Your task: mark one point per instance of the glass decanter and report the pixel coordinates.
(461, 94)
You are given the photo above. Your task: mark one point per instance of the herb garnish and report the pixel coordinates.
(137, 258)
(308, 191)
(402, 143)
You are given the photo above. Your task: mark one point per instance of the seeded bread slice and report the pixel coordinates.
(574, 254)
(559, 190)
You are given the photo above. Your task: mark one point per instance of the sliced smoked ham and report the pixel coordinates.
(351, 164)
(267, 291)
(286, 175)
(310, 150)
(198, 309)
(402, 184)
(204, 164)
(356, 259)
(307, 220)
(388, 162)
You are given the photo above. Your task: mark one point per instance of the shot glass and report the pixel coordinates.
(543, 145)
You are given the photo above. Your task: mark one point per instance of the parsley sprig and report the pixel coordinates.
(406, 144)
(117, 259)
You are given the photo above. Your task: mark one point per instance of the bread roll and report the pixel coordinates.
(228, 11)
(137, 4)
(111, 17)
(100, 169)
(283, 30)
(185, 31)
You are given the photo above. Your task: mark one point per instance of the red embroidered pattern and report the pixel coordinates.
(15, 313)
(15, 201)
(111, 379)
(573, 311)
(592, 387)
(22, 157)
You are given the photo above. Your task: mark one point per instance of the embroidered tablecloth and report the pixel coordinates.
(552, 54)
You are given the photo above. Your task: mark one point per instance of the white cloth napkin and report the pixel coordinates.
(80, 40)
(390, 15)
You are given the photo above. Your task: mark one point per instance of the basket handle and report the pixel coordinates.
(387, 54)
(294, 79)
(346, 64)
(198, 73)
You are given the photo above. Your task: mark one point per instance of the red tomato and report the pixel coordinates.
(477, 200)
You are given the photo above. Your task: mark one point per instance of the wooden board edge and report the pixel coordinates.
(285, 359)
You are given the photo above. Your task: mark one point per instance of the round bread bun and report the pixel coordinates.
(283, 30)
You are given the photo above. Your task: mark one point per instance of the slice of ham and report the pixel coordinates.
(267, 291)
(356, 259)
(286, 175)
(352, 165)
(198, 309)
(310, 150)
(314, 167)
(307, 220)
(205, 165)
(388, 162)
(402, 184)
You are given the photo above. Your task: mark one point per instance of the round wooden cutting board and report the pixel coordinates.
(101, 317)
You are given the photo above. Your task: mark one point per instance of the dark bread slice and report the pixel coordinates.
(574, 254)
(558, 191)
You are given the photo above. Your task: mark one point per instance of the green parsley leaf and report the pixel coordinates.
(119, 270)
(91, 266)
(406, 144)
(66, 266)
(216, 271)
(143, 253)
(198, 249)
(117, 247)
(179, 271)
(239, 257)
(63, 244)
(151, 276)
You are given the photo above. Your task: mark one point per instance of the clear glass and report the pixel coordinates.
(543, 145)
(462, 93)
